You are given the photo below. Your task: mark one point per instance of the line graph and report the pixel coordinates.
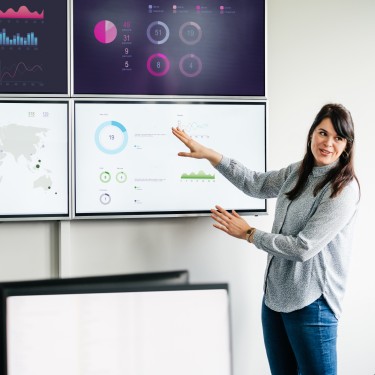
(16, 70)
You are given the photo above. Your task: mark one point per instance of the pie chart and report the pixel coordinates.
(105, 31)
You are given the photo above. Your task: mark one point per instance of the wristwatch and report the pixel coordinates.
(250, 235)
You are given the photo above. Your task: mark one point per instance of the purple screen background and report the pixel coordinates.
(218, 53)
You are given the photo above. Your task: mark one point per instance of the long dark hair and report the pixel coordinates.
(343, 173)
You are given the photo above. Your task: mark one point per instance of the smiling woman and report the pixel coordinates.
(326, 145)
(330, 139)
(310, 243)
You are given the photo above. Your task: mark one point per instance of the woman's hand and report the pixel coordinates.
(197, 151)
(230, 223)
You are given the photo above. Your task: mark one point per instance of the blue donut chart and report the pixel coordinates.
(118, 129)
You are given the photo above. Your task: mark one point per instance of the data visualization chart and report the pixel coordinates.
(34, 160)
(111, 137)
(33, 47)
(136, 47)
(105, 32)
(126, 161)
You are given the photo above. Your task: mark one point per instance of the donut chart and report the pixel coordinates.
(158, 65)
(157, 32)
(111, 137)
(190, 65)
(190, 33)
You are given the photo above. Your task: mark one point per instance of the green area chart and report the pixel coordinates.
(201, 175)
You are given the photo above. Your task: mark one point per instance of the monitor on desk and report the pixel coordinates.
(159, 329)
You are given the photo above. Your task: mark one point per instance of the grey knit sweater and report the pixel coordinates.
(310, 244)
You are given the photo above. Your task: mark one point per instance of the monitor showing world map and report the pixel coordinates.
(34, 159)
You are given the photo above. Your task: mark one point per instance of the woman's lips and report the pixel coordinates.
(324, 152)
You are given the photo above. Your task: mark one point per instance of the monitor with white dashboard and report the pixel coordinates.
(126, 161)
(34, 159)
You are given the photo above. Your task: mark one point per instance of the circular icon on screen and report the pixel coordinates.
(121, 177)
(190, 33)
(105, 199)
(190, 65)
(111, 137)
(158, 65)
(105, 177)
(157, 32)
(105, 32)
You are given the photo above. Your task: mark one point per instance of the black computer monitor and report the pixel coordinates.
(139, 329)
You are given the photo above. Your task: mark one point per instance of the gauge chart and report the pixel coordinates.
(111, 137)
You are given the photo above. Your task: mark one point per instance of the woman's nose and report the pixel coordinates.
(329, 141)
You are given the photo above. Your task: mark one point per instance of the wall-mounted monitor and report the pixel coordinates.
(138, 47)
(33, 47)
(34, 160)
(162, 330)
(126, 162)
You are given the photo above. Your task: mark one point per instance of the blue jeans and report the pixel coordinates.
(301, 342)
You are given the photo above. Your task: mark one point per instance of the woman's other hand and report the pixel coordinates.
(230, 222)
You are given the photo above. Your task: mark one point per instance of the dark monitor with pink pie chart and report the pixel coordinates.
(137, 47)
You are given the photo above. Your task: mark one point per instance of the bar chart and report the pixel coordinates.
(18, 40)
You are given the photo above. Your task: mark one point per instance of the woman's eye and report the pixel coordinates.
(339, 139)
(322, 133)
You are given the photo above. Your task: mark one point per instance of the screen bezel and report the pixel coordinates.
(160, 213)
(48, 216)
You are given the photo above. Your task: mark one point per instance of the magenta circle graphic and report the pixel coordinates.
(190, 65)
(105, 32)
(158, 65)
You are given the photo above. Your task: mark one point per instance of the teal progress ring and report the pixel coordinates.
(118, 129)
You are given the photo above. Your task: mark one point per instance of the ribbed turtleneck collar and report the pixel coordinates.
(320, 171)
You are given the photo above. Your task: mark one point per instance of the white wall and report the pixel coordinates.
(323, 51)
(318, 51)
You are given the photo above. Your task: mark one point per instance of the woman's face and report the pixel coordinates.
(326, 145)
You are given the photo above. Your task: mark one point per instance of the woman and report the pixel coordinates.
(309, 246)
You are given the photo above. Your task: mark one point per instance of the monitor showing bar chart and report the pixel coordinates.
(33, 47)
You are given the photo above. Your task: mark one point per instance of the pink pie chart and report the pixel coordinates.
(105, 32)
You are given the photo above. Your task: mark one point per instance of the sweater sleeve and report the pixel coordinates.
(255, 184)
(327, 224)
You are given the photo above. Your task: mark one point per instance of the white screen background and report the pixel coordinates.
(160, 333)
(149, 160)
(33, 158)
